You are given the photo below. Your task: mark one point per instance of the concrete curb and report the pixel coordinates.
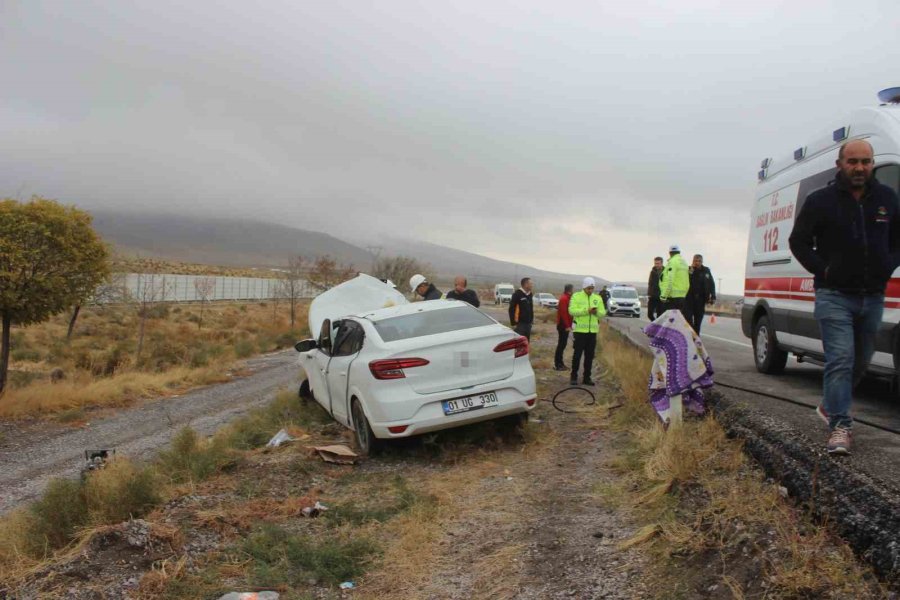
(863, 510)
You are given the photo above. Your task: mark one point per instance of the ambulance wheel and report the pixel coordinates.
(769, 358)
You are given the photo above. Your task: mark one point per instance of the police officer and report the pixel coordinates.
(586, 309)
(674, 282)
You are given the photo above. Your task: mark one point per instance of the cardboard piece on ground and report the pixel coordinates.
(337, 453)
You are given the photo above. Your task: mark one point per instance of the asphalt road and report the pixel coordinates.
(875, 451)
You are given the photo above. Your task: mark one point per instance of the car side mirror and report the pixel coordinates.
(306, 345)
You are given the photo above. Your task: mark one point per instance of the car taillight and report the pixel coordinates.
(519, 344)
(392, 368)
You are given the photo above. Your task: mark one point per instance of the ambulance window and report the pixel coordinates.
(889, 175)
(813, 183)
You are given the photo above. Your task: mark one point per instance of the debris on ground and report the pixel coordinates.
(250, 596)
(96, 459)
(337, 453)
(314, 511)
(347, 585)
(280, 438)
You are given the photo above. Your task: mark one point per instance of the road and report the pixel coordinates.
(875, 451)
(32, 454)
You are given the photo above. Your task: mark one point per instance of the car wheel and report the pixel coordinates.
(513, 424)
(304, 392)
(366, 442)
(768, 356)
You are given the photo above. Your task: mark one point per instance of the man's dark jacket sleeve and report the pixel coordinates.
(513, 305)
(803, 238)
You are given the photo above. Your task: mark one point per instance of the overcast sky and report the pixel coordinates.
(573, 136)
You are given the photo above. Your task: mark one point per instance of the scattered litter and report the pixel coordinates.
(783, 491)
(314, 510)
(347, 585)
(537, 420)
(509, 478)
(593, 435)
(280, 438)
(96, 459)
(250, 596)
(337, 453)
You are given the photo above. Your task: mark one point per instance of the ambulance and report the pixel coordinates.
(777, 313)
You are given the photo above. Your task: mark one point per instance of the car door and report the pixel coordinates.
(316, 365)
(347, 345)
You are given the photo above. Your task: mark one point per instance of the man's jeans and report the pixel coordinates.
(848, 324)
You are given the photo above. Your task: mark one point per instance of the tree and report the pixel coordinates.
(204, 286)
(327, 273)
(398, 269)
(150, 290)
(51, 259)
(294, 284)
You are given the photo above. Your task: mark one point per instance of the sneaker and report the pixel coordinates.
(839, 441)
(561, 368)
(588, 382)
(820, 410)
(573, 382)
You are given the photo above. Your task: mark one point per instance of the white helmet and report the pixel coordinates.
(416, 280)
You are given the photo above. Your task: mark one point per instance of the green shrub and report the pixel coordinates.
(283, 558)
(191, 459)
(58, 514)
(244, 348)
(25, 353)
(120, 491)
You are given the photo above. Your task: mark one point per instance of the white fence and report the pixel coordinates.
(193, 288)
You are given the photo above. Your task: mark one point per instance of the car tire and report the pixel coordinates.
(513, 424)
(304, 392)
(769, 358)
(366, 442)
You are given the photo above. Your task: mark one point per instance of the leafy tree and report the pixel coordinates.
(327, 273)
(294, 286)
(50, 260)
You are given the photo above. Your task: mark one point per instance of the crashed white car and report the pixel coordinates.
(390, 369)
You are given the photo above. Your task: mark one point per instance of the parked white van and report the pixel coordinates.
(777, 313)
(503, 293)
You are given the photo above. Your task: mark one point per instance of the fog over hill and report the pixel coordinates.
(235, 242)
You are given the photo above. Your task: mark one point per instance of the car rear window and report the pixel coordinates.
(431, 322)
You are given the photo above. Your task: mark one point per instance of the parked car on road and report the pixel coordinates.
(545, 299)
(389, 369)
(503, 293)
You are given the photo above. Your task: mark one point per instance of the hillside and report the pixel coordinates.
(240, 243)
(228, 242)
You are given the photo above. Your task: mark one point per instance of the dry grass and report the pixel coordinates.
(101, 368)
(128, 264)
(695, 492)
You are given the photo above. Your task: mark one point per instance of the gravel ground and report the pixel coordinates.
(33, 453)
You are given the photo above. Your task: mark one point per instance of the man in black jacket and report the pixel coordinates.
(654, 306)
(460, 291)
(521, 309)
(701, 292)
(848, 236)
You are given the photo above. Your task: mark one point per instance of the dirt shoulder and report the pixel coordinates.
(33, 453)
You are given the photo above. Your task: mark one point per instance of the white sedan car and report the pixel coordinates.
(547, 300)
(389, 369)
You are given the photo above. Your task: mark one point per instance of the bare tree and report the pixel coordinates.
(398, 269)
(204, 286)
(294, 283)
(326, 273)
(150, 290)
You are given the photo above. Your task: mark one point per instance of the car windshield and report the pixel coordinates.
(430, 323)
(548, 296)
(506, 290)
(625, 294)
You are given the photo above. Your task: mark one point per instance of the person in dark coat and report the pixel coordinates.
(604, 294)
(563, 326)
(848, 236)
(521, 309)
(701, 292)
(654, 304)
(460, 291)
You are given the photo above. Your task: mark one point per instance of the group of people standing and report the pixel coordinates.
(679, 286)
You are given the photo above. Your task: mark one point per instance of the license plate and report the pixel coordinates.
(460, 405)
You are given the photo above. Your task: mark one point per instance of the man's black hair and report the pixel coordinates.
(524, 281)
(568, 289)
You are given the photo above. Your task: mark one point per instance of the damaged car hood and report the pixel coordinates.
(359, 295)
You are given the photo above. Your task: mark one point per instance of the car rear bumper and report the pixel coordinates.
(513, 398)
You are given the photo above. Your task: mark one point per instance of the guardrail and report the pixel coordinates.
(165, 287)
